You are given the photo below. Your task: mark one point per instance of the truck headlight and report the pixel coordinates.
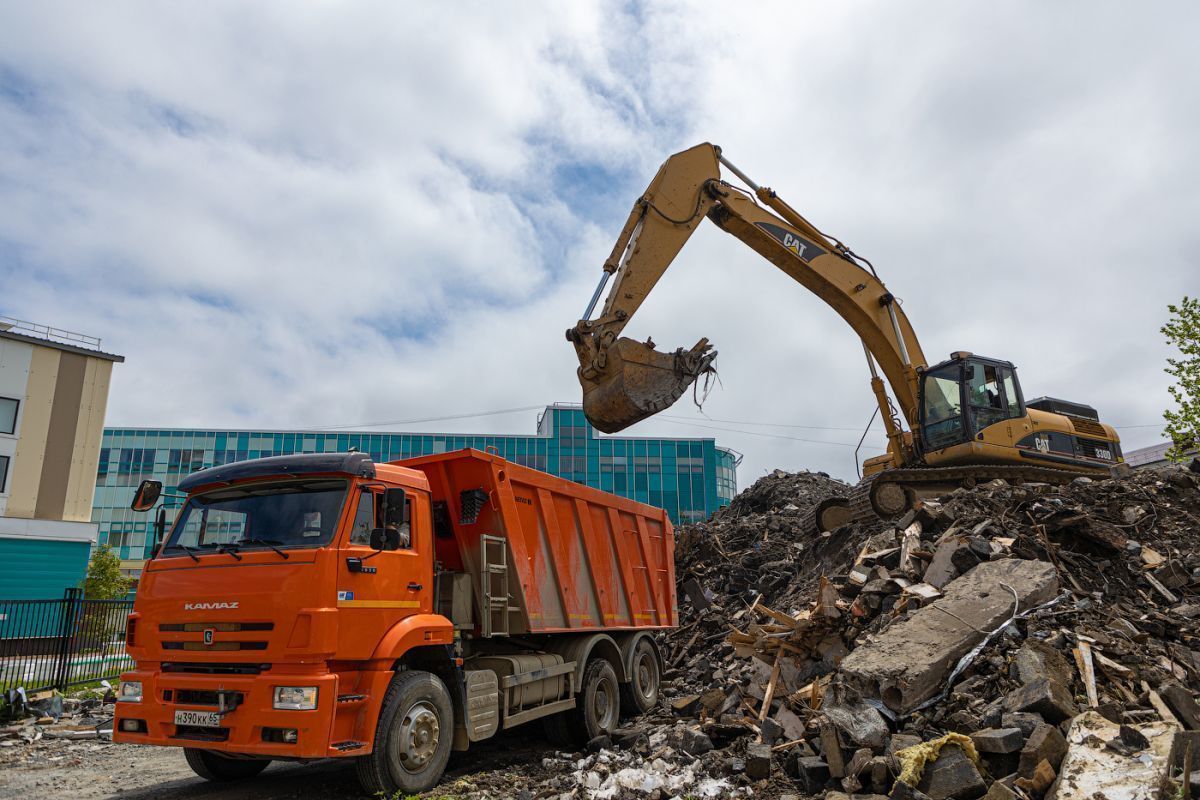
(130, 692)
(295, 698)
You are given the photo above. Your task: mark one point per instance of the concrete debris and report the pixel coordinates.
(906, 664)
(982, 621)
(1092, 770)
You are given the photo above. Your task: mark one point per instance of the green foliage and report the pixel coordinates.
(1183, 333)
(104, 580)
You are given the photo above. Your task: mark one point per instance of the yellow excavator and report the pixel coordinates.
(967, 420)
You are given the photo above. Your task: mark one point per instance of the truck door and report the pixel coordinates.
(378, 588)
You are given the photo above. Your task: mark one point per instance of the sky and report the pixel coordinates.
(328, 214)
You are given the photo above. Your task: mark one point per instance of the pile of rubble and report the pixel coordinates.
(1026, 641)
(1004, 641)
(50, 715)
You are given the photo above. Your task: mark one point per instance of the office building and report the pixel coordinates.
(690, 478)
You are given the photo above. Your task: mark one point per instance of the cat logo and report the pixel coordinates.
(798, 246)
(1042, 443)
(208, 636)
(794, 243)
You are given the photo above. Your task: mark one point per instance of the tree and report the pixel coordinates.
(104, 580)
(1183, 332)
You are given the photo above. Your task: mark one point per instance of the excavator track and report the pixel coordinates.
(889, 494)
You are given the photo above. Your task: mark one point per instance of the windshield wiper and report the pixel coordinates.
(229, 547)
(185, 549)
(271, 543)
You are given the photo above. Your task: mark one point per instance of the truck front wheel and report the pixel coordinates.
(413, 737)
(215, 767)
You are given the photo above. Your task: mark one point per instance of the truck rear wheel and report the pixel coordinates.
(213, 766)
(641, 693)
(413, 737)
(597, 708)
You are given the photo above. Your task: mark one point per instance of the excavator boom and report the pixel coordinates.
(625, 381)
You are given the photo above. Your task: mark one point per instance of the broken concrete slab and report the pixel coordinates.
(1044, 744)
(1036, 660)
(861, 723)
(758, 762)
(1091, 770)
(953, 776)
(941, 569)
(1183, 704)
(811, 773)
(998, 740)
(1052, 700)
(907, 664)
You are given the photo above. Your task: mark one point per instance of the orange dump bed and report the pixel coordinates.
(547, 555)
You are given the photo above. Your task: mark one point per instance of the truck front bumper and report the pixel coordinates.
(254, 727)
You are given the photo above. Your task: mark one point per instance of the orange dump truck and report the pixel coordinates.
(325, 606)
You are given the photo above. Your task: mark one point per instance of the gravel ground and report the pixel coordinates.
(90, 770)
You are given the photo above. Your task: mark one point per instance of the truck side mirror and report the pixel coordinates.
(146, 496)
(385, 539)
(391, 519)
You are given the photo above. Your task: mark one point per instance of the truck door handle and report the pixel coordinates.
(416, 587)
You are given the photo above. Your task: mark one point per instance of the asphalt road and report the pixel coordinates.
(90, 770)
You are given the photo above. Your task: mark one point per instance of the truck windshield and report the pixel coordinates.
(281, 513)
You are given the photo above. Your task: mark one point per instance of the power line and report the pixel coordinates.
(769, 435)
(835, 428)
(472, 415)
(766, 424)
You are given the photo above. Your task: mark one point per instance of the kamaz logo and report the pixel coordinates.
(209, 606)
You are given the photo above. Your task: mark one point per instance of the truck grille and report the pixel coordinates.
(215, 669)
(203, 697)
(199, 627)
(201, 734)
(214, 647)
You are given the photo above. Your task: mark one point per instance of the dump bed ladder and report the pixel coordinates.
(494, 584)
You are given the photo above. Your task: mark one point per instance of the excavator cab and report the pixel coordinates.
(964, 395)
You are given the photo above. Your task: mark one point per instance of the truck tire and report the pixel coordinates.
(213, 766)
(641, 693)
(413, 737)
(597, 708)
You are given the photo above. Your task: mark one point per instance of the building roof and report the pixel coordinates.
(1154, 454)
(45, 336)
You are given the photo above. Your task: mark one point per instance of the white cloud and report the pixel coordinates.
(298, 215)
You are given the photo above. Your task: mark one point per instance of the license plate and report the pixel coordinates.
(202, 719)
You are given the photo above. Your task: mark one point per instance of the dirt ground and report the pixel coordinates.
(94, 769)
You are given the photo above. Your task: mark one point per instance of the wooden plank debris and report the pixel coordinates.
(1087, 670)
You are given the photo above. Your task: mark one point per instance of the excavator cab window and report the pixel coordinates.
(991, 394)
(941, 407)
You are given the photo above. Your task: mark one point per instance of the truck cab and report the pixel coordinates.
(314, 606)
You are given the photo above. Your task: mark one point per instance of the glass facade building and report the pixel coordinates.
(690, 478)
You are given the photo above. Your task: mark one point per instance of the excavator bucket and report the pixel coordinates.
(637, 381)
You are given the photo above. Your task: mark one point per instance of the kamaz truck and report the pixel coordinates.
(325, 606)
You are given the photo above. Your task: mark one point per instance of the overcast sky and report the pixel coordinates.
(316, 214)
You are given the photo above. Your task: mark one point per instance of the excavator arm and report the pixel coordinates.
(625, 381)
